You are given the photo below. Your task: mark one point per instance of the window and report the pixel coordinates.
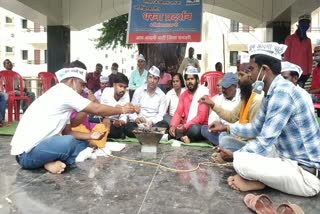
(24, 54)
(233, 58)
(45, 56)
(234, 26)
(9, 20)
(132, 56)
(106, 55)
(106, 67)
(24, 23)
(9, 49)
(132, 68)
(123, 60)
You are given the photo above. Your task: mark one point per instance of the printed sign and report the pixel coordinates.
(165, 21)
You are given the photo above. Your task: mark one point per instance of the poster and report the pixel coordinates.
(165, 21)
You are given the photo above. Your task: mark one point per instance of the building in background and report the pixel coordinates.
(25, 43)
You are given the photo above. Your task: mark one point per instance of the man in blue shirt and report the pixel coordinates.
(285, 153)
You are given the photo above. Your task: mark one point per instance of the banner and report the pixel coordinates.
(165, 21)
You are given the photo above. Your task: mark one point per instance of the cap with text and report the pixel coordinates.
(71, 72)
(272, 49)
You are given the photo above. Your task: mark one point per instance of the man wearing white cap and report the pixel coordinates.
(44, 137)
(104, 82)
(139, 76)
(190, 115)
(152, 104)
(285, 151)
(299, 49)
(292, 72)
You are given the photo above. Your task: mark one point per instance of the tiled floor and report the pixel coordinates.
(110, 185)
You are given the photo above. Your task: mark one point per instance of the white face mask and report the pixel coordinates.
(258, 85)
(316, 59)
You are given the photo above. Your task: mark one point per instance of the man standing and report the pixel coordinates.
(299, 49)
(190, 60)
(93, 79)
(117, 95)
(114, 72)
(190, 115)
(139, 76)
(152, 103)
(285, 153)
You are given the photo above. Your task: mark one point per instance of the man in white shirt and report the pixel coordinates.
(229, 99)
(172, 96)
(44, 137)
(152, 103)
(117, 95)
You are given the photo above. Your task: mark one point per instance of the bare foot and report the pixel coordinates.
(56, 167)
(185, 139)
(236, 182)
(216, 158)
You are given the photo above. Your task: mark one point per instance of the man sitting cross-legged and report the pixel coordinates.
(150, 101)
(244, 112)
(117, 95)
(53, 144)
(190, 115)
(285, 153)
(228, 100)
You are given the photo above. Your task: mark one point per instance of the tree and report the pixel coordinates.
(114, 33)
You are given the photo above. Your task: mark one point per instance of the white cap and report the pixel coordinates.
(104, 79)
(191, 70)
(288, 66)
(141, 57)
(305, 16)
(154, 71)
(272, 49)
(244, 57)
(71, 72)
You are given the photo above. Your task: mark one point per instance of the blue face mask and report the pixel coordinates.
(114, 71)
(303, 27)
(258, 85)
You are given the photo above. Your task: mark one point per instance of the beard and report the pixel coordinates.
(245, 90)
(193, 88)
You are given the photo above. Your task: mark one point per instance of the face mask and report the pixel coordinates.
(258, 84)
(317, 59)
(114, 71)
(303, 27)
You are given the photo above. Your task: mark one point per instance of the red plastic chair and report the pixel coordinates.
(47, 79)
(211, 78)
(8, 79)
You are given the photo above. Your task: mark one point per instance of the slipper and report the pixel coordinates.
(289, 209)
(261, 204)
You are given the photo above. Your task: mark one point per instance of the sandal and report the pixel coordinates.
(261, 204)
(289, 209)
